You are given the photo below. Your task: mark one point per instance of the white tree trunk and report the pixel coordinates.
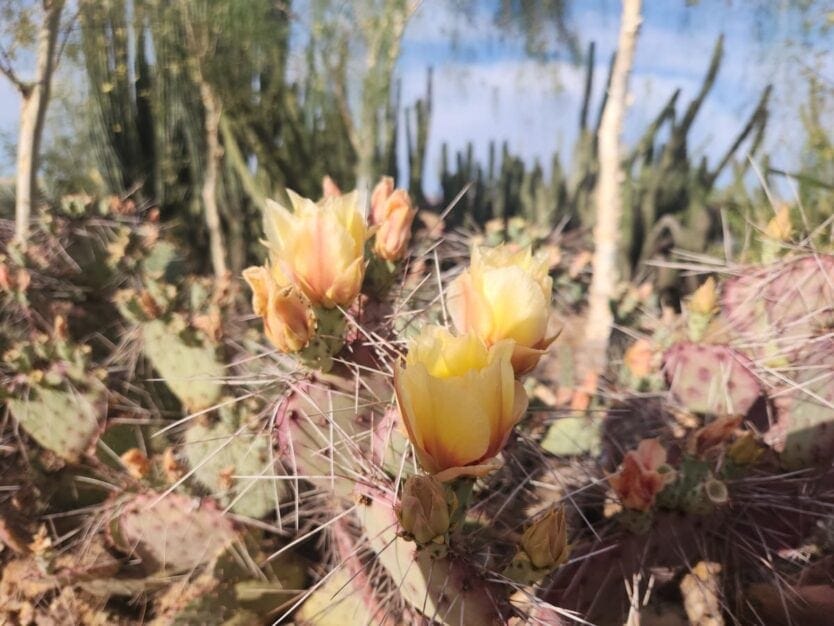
(214, 159)
(608, 197)
(34, 100)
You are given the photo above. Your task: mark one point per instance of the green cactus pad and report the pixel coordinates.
(445, 590)
(229, 448)
(804, 431)
(191, 370)
(323, 434)
(62, 419)
(711, 378)
(335, 603)
(172, 532)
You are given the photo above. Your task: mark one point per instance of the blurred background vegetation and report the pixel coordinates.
(203, 108)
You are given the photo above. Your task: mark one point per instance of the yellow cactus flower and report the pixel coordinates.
(319, 247)
(459, 401)
(289, 320)
(546, 540)
(505, 294)
(394, 231)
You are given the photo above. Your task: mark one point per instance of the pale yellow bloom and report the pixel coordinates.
(459, 401)
(289, 320)
(318, 247)
(505, 294)
(394, 231)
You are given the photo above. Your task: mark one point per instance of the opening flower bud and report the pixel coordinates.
(642, 476)
(425, 509)
(289, 320)
(379, 196)
(546, 540)
(394, 231)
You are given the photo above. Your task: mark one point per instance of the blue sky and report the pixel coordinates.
(486, 87)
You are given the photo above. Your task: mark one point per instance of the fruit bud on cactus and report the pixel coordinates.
(459, 401)
(701, 307)
(642, 476)
(394, 231)
(505, 294)
(289, 320)
(545, 542)
(318, 247)
(745, 450)
(425, 509)
(780, 227)
(705, 298)
(379, 197)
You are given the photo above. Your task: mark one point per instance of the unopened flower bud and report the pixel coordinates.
(425, 509)
(546, 540)
(394, 231)
(379, 197)
(289, 320)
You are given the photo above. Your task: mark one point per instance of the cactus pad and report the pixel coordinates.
(445, 590)
(220, 451)
(804, 431)
(711, 378)
(171, 533)
(782, 304)
(191, 370)
(61, 419)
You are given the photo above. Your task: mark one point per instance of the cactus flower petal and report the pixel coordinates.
(459, 399)
(505, 294)
(319, 247)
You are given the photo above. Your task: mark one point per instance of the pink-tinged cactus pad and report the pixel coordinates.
(781, 305)
(173, 533)
(711, 378)
(804, 431)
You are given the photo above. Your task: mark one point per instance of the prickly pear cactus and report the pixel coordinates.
(711, 378)
(61, 419)
(804, 430)
(442, 589)
(170, 532)
(778, 307)
(188, 365)
(235, 461)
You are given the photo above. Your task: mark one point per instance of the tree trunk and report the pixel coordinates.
(609, 208)
(34, 100)
(214, 157)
